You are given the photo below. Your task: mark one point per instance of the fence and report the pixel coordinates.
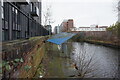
(17, 24)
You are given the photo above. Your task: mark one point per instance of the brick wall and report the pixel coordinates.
(27, 51)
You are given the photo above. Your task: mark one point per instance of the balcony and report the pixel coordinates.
(35, 12)
(23, 2)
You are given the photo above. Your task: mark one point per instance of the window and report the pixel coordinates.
(14, 34)
(6, 25)
(16, 27)
(1, 2)
(31, 6)
(20, 28)
(2, 23)
(6, 12)
(2, 35)
(13, 9)
(37, 9)
(18, 34)
(2, 9)
(14, 18)
(16, 11)
(13, 26)
(6, 35)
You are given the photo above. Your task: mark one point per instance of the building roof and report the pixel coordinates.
(84, 27)
(65, 20)
(103, 26)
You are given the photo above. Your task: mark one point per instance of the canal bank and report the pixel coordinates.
(54, 61)
(20, 58)
(93, 40)
(47, 60)
(103, 61)
(104, 43)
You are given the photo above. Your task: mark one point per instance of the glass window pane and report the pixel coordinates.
(16, 11)
(2, 12)
(13, 9)
(3, 35)
(2, 23)
(1, 2)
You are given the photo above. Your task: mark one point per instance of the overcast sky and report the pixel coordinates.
(83, 12)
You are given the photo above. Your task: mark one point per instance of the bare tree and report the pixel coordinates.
(85, 65)
(47, 16)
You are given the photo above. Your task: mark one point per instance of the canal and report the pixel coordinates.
(79, 60)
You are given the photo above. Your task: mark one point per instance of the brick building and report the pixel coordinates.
(66, 25)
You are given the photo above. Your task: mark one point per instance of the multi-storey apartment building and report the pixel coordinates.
(21, 19)
(57, 29)
(66, 25)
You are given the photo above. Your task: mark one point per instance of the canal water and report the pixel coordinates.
(81, 60)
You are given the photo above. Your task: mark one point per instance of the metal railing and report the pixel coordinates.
(18, 24)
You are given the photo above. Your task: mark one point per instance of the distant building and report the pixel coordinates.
(103, 26)
(49, 28)
(66, 25)
(97, 28)
(57, 29)
(21, 20)
(93, 25)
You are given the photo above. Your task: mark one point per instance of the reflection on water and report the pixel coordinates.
(104, 60)
(82, 60)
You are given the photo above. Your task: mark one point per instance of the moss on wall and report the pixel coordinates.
(33, 61)
(30, 50)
